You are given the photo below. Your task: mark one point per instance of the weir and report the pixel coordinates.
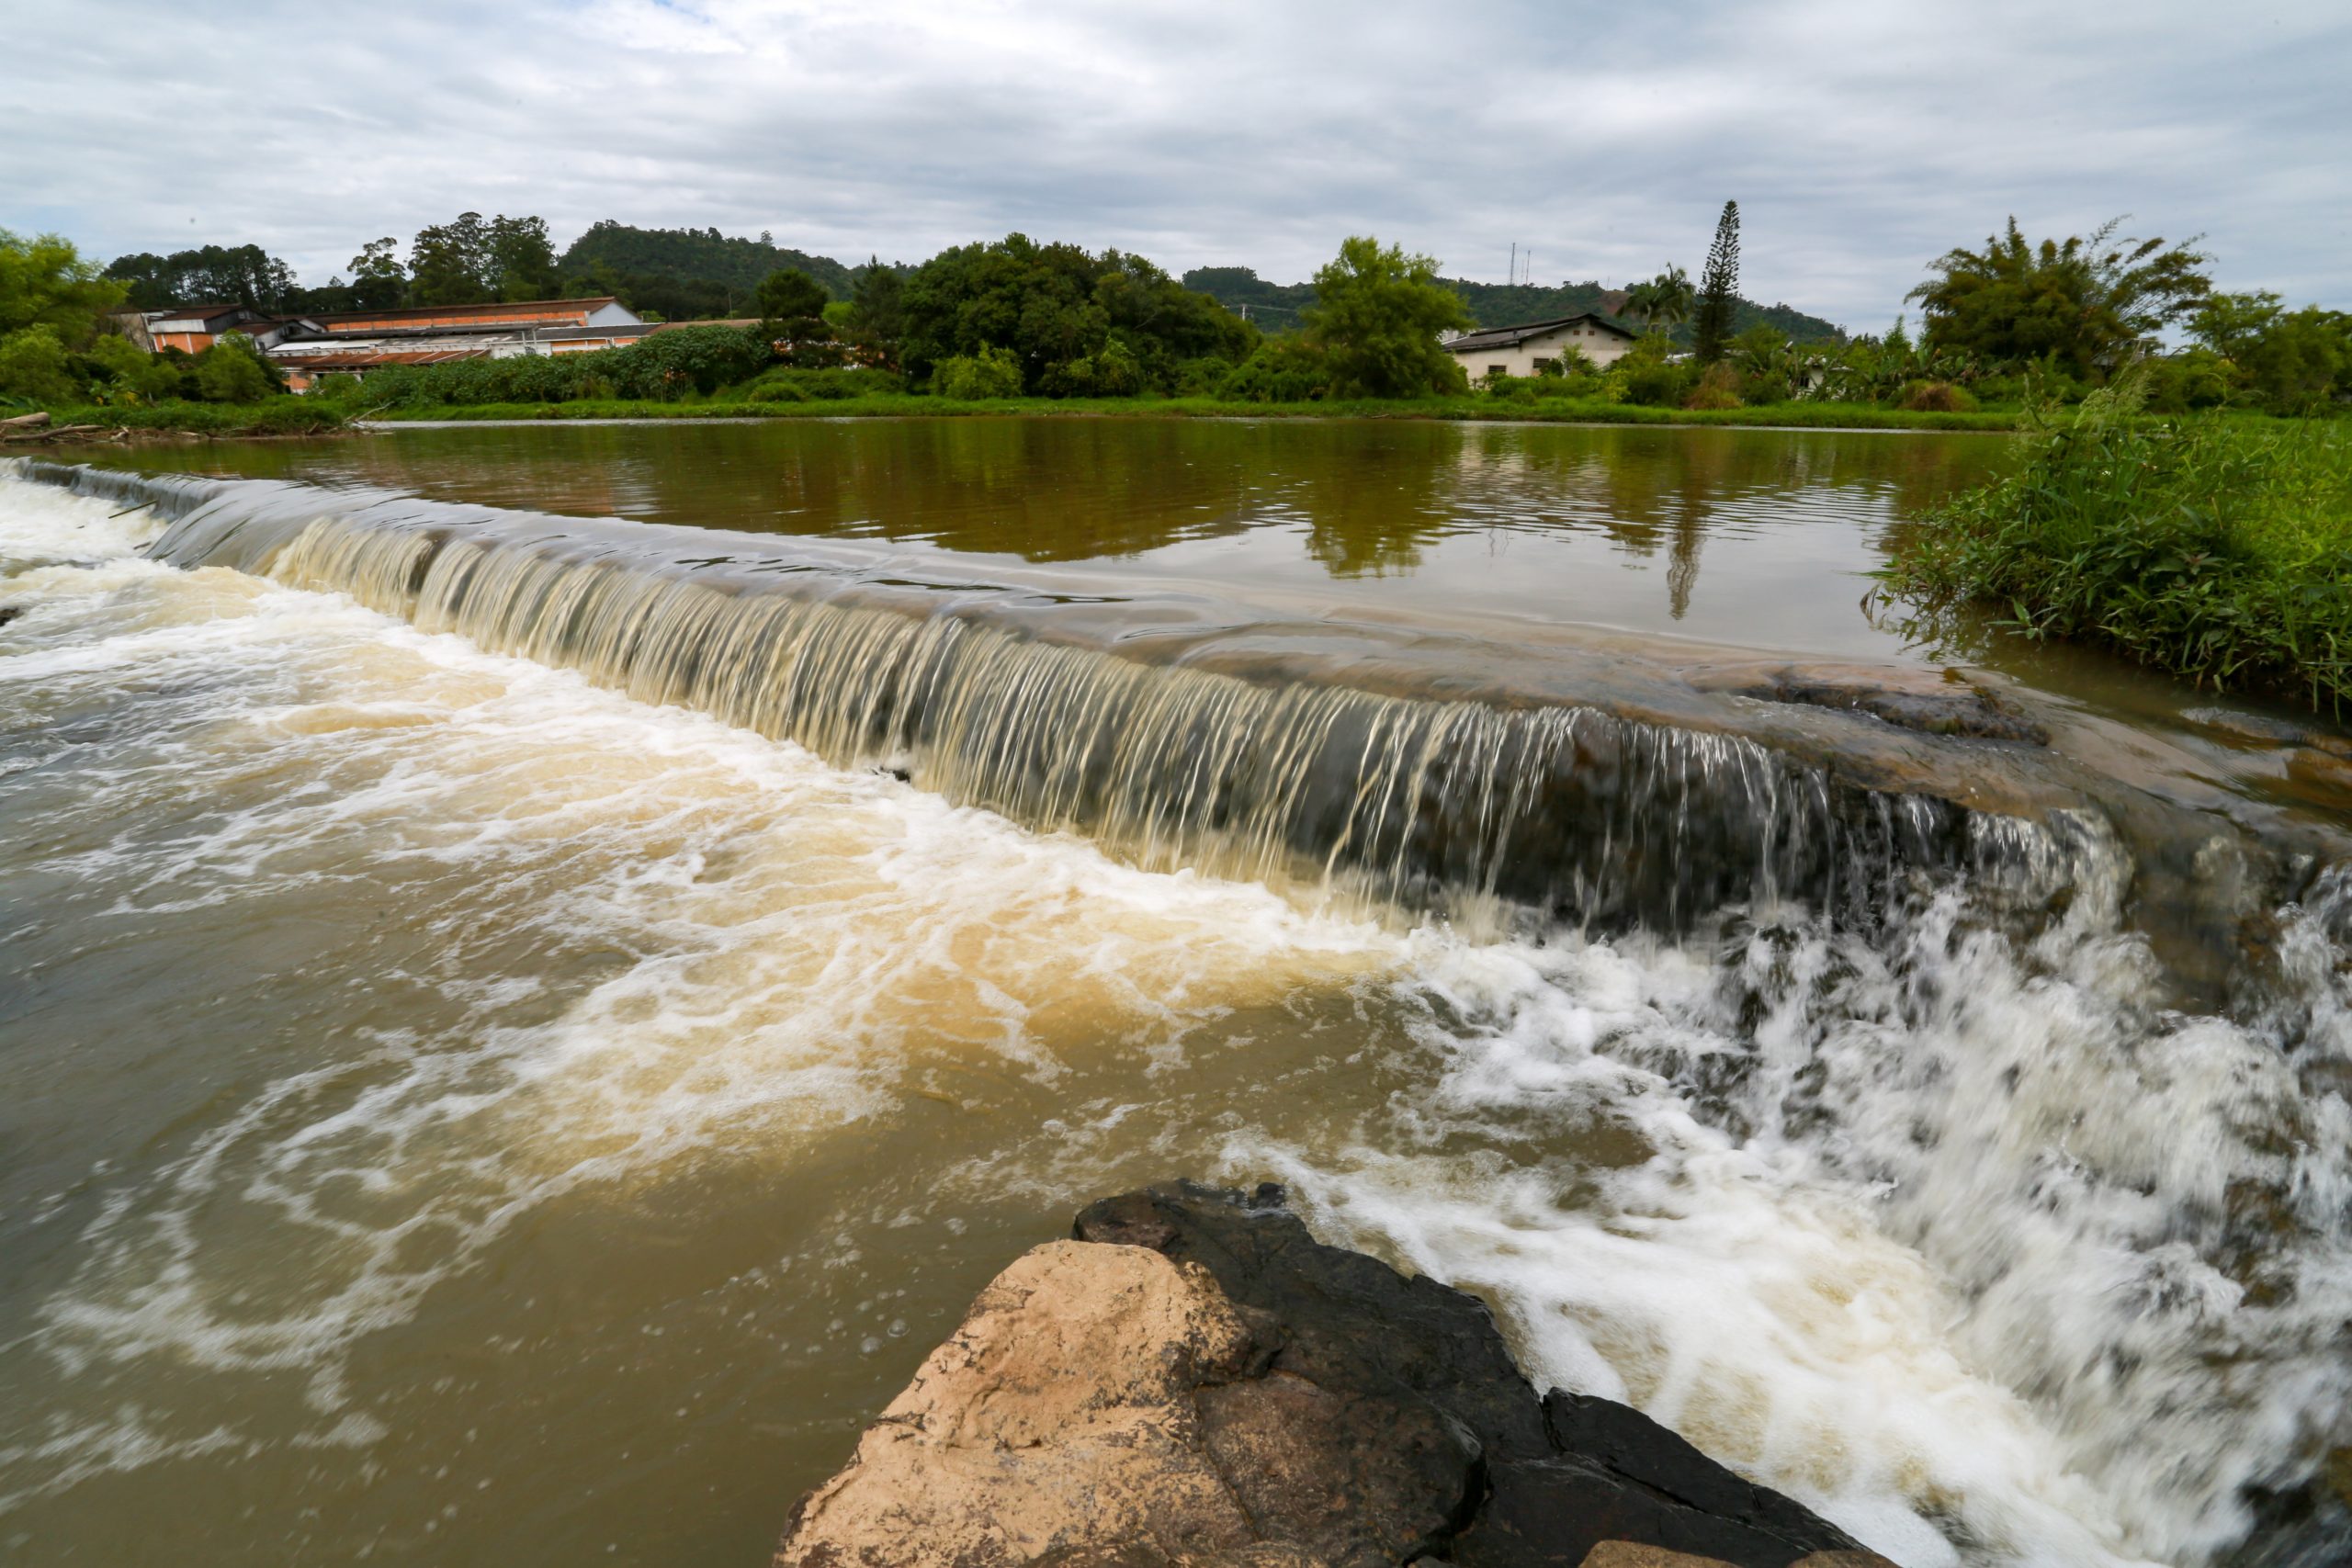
(1575, 786)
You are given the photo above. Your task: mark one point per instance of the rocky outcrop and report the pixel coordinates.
(1194, 1382)
(1932, 702)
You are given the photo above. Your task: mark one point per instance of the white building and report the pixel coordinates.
(1524, 349)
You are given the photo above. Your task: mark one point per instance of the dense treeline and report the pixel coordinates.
(2012, 324)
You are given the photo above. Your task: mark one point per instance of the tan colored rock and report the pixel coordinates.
(1631, 1555)
(1060, 1416)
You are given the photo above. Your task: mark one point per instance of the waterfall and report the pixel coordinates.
(1434, 803)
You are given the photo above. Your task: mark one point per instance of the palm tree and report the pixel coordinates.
(1641, 300)
(1667, 298)
(1671, 297)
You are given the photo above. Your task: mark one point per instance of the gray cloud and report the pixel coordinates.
(1861, 138)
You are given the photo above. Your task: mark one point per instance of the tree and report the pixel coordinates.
(2084, 304)
(519, 259)
(2231, 325)
(1062, 310)
(1666, 297)
(45, 282)
(1719, 287)
(790, 297)
(878, 311)
(2303, 358)
(447, 260)
(1377, 317)
(378, 282)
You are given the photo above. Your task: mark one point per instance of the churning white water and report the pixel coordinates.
(378, 997)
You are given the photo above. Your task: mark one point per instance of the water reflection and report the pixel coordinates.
(1593, 525)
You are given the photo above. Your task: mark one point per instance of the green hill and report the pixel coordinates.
(1277, 306)
(694, 256)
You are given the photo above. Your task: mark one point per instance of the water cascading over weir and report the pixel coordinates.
(1423, 769)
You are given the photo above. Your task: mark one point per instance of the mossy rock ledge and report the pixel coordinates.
(1193, 1382)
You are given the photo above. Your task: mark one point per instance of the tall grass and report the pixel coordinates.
(2217, 549)
(271, 416)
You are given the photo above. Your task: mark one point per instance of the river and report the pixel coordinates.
(543, 967)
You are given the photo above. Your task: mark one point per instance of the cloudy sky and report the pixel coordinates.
(1861, 138)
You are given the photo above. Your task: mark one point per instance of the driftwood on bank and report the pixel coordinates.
(1194, 1382)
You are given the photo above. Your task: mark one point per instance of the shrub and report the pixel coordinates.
(2198, 378)
(1283, 371)
(1718, 388)
(34, 366)
(1935, 397)
(977, 377)
(663, 366)
(234, 371)
(1657, 384)
(790, 384)
(1112, 372)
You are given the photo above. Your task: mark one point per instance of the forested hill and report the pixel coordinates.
(699, 255)
(1277, 306)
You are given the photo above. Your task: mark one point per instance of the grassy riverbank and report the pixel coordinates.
(1805, 415)
(2218, 548)
(272, 416)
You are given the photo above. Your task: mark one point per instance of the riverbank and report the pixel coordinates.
(69, 425)
(2218, 550)
(1802, 416)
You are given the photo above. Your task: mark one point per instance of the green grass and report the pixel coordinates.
(1837, 416)
(274, 416)
(2217, 547)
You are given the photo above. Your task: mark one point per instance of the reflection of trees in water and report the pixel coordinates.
(1369, 496)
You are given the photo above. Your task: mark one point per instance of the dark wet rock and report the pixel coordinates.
(9, 613)
(1616, 1475)
(1930, 702)
(1194, 1382)
(1344, 1321)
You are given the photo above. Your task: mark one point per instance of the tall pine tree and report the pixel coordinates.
(1719, 287)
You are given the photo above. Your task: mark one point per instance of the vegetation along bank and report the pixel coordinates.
(2219, 549)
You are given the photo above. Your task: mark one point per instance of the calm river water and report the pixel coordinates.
(468, 1101)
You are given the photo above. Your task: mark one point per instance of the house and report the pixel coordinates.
(1524, 349)
(192, 329)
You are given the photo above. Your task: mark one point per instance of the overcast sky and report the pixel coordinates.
(1861, 138)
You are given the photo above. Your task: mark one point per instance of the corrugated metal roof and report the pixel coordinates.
(1511, 337)
(379, 357)
(519, 311)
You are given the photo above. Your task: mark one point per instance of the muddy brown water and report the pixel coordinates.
(505, 1069)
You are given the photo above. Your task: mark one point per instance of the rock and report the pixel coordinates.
(1631, 1555)
(1931, 702)
(1107, 1406)
(1194, 1382)
(2260, 730)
